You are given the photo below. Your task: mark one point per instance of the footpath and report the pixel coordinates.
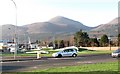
(18, 58)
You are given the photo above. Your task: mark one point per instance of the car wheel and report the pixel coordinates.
(59, 56)
(74, 55)
(118, 55)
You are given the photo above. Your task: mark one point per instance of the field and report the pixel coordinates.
(82, 51)
(97, 68)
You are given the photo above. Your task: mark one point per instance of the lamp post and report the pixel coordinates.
(110, 43)
(16, 44)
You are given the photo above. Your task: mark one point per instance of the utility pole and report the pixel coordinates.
(16, 42)
(109, 43)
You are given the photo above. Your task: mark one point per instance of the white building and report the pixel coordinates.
(3, 44)
(33, 46)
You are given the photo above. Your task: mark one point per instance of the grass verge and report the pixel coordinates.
(81, 52)
(98, 67)
(94, 52)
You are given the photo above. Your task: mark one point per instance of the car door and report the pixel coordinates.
(70, 52)
(65, 53)
(119, 53)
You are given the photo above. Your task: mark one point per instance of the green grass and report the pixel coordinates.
(94, 52)
(46, 49)
(98, 67)
(48, 55)
(52, 51)
(19, 54)
(81, 52)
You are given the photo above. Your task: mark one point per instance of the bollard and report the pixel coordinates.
(38, 55)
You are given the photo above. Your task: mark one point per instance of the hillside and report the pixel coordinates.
(110, 28)
(59, 26)
(56, 25)
(44, 30)
(59, 20)
(8, 31)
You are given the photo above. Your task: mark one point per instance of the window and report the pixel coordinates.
(70, 50)
(65, 50)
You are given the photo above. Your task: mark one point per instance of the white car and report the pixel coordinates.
(12, 49)
(116, 53)
(65, 52)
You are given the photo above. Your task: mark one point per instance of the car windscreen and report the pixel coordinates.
(117, 51)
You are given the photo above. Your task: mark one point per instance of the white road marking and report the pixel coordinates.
(68, 58)
(86, 62)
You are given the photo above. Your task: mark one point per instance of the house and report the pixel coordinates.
(33, 45)
(3, 43)
(11, 44)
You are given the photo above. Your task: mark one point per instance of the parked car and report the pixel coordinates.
(116, 53)
(12, 49)
(65, 52)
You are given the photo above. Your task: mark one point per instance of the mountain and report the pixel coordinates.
(110, 28)
(47, 27)
(56, 25)
(44, 30)
(9, 29)
(63, 21)
(59, 27)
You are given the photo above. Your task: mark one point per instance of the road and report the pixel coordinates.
(43, 63)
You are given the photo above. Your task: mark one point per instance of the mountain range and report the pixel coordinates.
(110, 28)
(57, 25)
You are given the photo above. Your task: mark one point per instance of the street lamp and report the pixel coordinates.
(110, 43)
(16, 44)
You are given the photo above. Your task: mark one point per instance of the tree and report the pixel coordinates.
(38, 41)
(104, 41)
(50, 44)
(61, 45)
(93, 42)
(56, 44)
(81, 38)
(68, 43)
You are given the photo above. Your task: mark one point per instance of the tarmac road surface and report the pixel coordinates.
(45, 62)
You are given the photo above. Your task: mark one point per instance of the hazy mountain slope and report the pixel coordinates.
(8, 31)
(110, 28)
(44, 30)
(47, 27)
(59, 20)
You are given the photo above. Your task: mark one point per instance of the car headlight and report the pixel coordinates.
(114, 54)
(54, 54)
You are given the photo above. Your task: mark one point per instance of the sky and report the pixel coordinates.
(89, 12)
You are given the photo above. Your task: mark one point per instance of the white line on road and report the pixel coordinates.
(67, 58)
(86, 62)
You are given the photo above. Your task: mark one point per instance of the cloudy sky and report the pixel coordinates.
(88, 12)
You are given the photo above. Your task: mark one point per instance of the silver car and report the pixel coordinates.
(65, 52)
(116, 53)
